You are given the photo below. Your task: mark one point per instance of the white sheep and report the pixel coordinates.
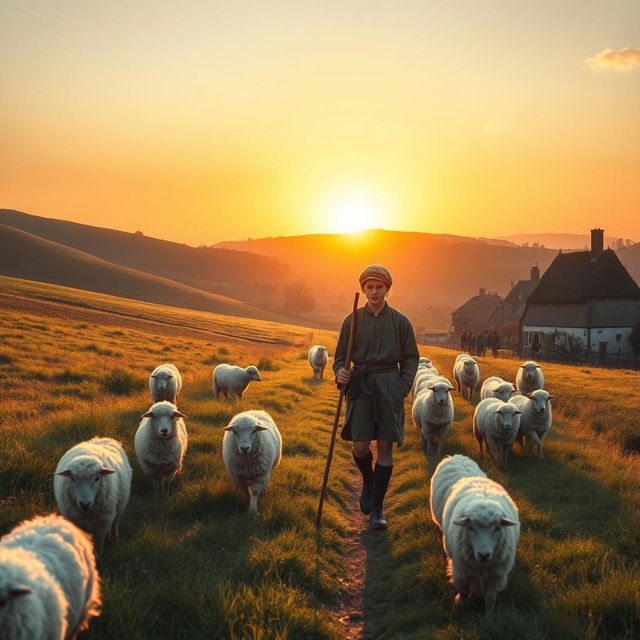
(422, 375)
(423, 362)
(251, 449)
(318, 359)
(496, 423)
(49, 584)
(160, 443)
(165, 383)
(230, 379)
(449, 470)
(425, 382)
(536, 417)
(432, 413)
(480, 531)
(496, 387)
(529, 377)
(466, 374)
(92, 485)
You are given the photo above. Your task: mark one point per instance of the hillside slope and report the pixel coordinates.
(33, 258)
(216, 270)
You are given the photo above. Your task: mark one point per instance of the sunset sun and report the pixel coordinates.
(352, 211)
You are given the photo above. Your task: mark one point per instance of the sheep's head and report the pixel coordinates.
(470, 366)
(508, 416)
(540, 401)
(504, 391)
(244, 431)
(84, 473)
(253, 373)
(163, 416)
(440, 391)
(529, 369)
(484, 522)
(162, 379)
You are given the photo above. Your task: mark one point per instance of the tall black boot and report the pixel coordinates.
(381, 477)
(364, 464)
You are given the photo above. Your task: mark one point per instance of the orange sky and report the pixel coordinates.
(200, 122)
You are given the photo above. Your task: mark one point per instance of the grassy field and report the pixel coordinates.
(194, 566)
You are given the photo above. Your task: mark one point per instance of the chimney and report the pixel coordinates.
(483, 291)
(535, 273)
(597, 243)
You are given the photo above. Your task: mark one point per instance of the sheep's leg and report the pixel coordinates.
(256, 488)
(533, 436)
(439, 450)
(493, 450)
(115, 534)
(505, 452)
(480, 443)
(98, 539)
(489, 603)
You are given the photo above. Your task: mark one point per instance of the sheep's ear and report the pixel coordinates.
(550, 396)
(66, 473)
(462, 522)
(178, 414)
(529, 394)
(105, 471)
(19, 590)
(260, 427)
(505, 522)
(516, 412)
(451, 389)
(227, 428)
(149, 414)
(152, 376)
(431, 386)
(537, 366)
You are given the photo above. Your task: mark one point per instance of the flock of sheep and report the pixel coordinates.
(49, 583)
(478, 520)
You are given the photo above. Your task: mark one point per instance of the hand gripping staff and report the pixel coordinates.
(336, 420)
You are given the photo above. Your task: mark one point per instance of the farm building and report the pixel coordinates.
(474, 315)
(512, 307)
(586, 302)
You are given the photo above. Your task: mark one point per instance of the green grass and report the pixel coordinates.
(194, 565)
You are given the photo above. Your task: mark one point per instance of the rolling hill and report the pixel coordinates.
(566, 241)
(27, 256)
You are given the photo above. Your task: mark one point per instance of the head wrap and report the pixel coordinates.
(376, 272)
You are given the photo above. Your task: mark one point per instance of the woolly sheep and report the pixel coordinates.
(49, 584)
(165, 383)
(529, 377)
(449, 470)
(160, 443)
(480, 531)
(496, 423)
(496, 387)
(421, 375)
(466, 375)
(229, 378)
(92, 485)
(432, 413)
(536, 417)
(251, 449)
(425, 383)
(318, 359)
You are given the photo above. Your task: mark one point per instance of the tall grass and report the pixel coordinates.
(194, 565)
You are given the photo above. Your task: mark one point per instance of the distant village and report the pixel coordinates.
(584, 308)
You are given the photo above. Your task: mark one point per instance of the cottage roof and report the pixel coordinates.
(520, 292)
(574, 277)
(479, 307)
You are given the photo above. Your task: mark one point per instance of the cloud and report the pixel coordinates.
(621, 60)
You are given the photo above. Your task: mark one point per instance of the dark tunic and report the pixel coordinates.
(385, 360)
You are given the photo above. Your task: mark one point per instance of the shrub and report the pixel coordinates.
(5, 358)
(266, 364)
(121, 382)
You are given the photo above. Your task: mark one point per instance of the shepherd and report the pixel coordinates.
(385, 360)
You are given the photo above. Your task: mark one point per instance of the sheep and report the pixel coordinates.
(229, 378)
(480, 531)
(92, 485)
(449, 470)
(426, 382)
(432, 413)
(49, 584)
(165, 383)
(422, 375)
(160, 443)
(318, 359)
(495, 387)
(496, 423)
(251, 449)
(529, 377)
(536, 417)
(466, 375)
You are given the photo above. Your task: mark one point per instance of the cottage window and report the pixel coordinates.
(526, 339)
(618, 337)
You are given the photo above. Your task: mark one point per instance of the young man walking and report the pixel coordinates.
(385, 361)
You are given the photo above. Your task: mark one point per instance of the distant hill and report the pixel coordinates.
(27, 256)
(231, 273)
(434, 275)
(565, 241)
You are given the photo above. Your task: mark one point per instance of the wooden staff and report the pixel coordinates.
(336, 420)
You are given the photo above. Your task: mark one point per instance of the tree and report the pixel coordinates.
(297, 297)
